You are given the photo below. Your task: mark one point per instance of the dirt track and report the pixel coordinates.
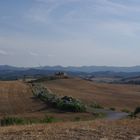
(16, 98)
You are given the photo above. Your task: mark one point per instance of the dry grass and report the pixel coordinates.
(16, 98)
(108, 95)
(88, 130)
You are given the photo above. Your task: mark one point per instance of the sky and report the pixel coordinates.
(69, 32)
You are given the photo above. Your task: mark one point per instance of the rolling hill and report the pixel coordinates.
(108, 95)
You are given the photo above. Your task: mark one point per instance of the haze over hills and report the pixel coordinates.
(86, 69)
(95, 73)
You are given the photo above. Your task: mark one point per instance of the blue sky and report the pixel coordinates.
(70, 32)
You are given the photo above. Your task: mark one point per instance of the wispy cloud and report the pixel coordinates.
(131, 29)
(71, 32)
(33, 54)
(2, 52)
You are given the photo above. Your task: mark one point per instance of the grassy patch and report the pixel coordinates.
(112, 108)
(99, 115)
(6, 121)
(96, 105)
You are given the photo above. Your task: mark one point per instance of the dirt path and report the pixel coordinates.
(112, 115)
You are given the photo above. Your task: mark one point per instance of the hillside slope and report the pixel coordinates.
(108, 95)
(16, 98)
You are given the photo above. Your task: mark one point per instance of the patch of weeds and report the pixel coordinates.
(6, 121)
(12, 121)
(99, 115)
(125, 110)
(48, 119)
(96, 105)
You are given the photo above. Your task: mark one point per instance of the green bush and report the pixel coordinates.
(70, 104)
(65, 103)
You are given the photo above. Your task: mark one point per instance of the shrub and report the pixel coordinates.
(70, 104)
(137, 111)
(112, 108)
(65, 103)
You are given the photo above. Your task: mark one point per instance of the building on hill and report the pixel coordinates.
(61, 75)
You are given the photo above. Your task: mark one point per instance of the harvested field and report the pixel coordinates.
(16, 98)
(88, 130)
(119, 96)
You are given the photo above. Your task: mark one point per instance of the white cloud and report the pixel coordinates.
(34, 54)
(50, 55)
(2, 52)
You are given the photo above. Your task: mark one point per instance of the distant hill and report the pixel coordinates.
(86, 69)
(90, 69)
(91, 72)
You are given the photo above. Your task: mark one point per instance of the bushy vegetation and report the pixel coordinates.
(63, 103)
(112, 108)
(6, 121)
(96, 105)
(135, 113)
(11, 121)
(70, 104)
